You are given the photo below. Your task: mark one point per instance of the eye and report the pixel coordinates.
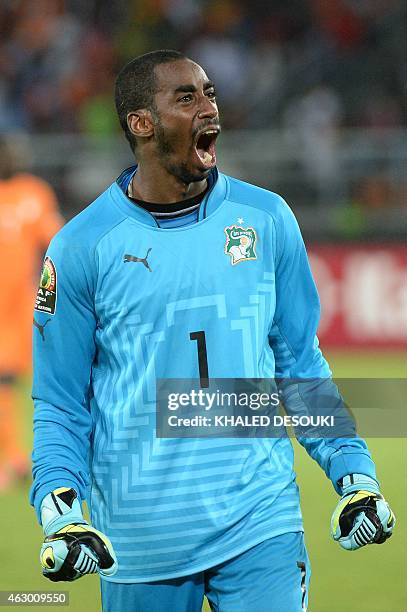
(211, 94)
(186, 98)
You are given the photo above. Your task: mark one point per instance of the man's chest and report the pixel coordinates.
(152, 272)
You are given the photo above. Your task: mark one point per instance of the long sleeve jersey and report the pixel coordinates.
(119, 298)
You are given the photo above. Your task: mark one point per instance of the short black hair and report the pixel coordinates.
(136, 85)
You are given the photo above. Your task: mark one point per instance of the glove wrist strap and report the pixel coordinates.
(358, 482)
(60, 508)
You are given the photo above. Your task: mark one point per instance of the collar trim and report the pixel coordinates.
(210, 203)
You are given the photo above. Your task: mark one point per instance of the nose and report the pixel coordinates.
(208, 109)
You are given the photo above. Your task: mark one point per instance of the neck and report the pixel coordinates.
(153, 183)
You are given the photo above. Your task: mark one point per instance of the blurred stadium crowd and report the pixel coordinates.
(318, 87)
(58, 58)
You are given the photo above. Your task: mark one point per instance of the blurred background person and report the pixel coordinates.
(28, 219)
(314, 121)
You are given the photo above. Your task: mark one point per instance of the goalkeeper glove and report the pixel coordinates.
(71, 547)
(362, 515)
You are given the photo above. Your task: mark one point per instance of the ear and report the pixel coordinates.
(140, 123)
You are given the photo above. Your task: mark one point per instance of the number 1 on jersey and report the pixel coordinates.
(199, 336)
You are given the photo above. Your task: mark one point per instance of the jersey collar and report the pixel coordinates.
(212, 201)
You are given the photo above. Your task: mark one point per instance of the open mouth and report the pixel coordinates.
(205, 146)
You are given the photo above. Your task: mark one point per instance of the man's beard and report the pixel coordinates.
(166, 150)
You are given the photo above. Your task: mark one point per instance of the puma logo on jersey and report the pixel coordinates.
(41, 327)
(142, 260)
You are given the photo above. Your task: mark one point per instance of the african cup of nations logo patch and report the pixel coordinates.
(240, 243)
(46, 300)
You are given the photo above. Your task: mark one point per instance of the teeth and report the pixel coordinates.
(211, 132)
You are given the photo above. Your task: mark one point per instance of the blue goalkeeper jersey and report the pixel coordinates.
(120, 296)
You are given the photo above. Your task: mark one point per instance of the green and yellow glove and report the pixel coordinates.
(362, 515)
(72, 548)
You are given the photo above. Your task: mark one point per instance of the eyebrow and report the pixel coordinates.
(192, 89)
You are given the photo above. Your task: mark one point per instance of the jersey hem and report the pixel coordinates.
(204, 566)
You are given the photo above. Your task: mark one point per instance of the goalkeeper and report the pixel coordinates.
(178, 271)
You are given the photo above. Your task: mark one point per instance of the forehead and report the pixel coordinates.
(172, 75)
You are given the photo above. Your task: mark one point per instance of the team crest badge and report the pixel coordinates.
(240, 243)
(47, 291)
